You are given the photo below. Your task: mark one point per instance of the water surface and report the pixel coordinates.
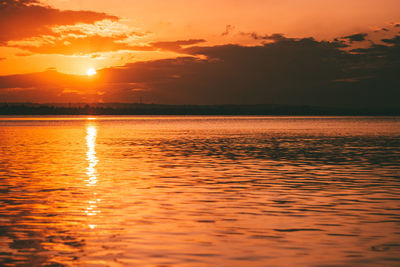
(199, 191)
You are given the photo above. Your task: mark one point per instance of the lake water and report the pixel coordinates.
(199, 191)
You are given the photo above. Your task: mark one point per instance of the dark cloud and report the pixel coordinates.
(48, 86)
(48, 79)
(228, 30)
(394, 40)
(273, 37)
(2, 58)
(27, 18)
(286, 71)
(359, 37)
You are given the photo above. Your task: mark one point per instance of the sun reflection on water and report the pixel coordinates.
(91, 133)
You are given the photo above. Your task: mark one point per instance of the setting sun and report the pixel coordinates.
(91, 72)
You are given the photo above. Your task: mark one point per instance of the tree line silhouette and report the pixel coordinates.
(158, 109)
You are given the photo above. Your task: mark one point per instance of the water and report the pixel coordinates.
(199, 191)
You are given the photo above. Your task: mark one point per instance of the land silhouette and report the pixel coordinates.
(161, 109)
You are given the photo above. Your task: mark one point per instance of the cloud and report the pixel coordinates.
(39, 29)
(47, 86)
(394, 40)
(286, 71)
(28, 18)
(359, 37)
(2, 58)
(273, 37)
(75, 46)
(176, 46)
(228, 30)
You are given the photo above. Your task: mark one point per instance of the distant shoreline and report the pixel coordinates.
(159, 109)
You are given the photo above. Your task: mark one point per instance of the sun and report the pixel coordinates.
(91, 72)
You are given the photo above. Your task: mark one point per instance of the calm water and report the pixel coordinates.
(199, 191)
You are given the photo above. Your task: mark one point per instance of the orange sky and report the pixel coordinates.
(342, 53)
(121, 31)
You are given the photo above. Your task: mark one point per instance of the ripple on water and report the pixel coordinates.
(200, 191)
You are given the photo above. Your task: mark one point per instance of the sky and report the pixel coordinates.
(298, 52)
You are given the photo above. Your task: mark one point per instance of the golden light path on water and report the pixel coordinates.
(91, 133)
(92, 175)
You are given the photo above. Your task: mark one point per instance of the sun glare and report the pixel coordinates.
(91, 72)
